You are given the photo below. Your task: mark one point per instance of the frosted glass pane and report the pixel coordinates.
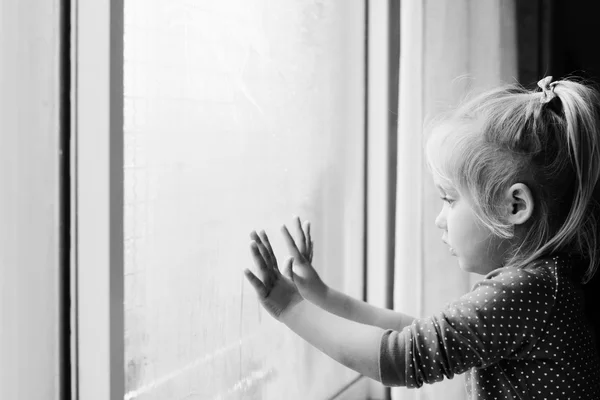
(238, 115)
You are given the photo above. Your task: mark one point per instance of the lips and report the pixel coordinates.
(452, 251)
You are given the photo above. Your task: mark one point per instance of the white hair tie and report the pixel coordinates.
(547, 86)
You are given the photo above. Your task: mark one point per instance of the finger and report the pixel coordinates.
(291, 245)
(264, 271)
(267, 252)
(307, 231)
(308, 240)
(254, 236)
(265, 255)
(267, 243)
(288, 271)
(259, 259)
(256, 283)
(302, 247)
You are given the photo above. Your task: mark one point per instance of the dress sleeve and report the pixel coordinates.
(502, 317)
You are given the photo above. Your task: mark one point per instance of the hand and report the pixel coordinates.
(304, 275)
(277, 293)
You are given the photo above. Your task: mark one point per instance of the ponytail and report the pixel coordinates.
(581, 110)
(580, 106)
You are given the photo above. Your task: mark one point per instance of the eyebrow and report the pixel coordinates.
(450, 191)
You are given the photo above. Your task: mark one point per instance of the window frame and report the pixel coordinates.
(97, 179)
(383, 65)
(97, 204)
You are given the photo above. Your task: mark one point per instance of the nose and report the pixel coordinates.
(440, 220)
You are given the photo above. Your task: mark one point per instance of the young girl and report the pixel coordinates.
(518, 172)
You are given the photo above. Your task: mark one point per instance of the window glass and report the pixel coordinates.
(238, 115)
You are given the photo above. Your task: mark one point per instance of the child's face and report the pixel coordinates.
(470, 241)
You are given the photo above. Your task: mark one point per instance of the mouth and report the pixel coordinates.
(452, 251)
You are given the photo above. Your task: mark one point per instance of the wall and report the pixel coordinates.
(29, 199)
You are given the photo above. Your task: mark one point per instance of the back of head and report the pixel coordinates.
(548, 139)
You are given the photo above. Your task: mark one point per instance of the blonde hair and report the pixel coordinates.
(551, 144)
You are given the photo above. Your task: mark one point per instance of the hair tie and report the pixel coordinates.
(547, 86)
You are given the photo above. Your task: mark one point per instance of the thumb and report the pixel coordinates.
(287, 268)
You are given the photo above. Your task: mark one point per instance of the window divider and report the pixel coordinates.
(97, 207)
(382, 77)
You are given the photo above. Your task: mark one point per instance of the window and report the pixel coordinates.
(236, 117)
(184, 139)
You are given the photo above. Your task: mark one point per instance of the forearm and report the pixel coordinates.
(350, 343)
(347, 307)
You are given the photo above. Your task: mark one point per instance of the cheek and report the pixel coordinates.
(466, 234)
(478, 251)
(458, 225)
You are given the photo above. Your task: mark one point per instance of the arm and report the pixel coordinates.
(345, 306)
(352, 344)
(484, 326)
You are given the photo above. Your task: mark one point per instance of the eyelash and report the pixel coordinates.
(447, 200)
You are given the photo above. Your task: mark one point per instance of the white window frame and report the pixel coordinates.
(383, 18)
(97, 204)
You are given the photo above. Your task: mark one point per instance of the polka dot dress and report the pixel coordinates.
(519, 334)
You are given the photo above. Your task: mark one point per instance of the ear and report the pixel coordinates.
(520, 204)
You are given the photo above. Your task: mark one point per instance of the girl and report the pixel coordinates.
(518, 172)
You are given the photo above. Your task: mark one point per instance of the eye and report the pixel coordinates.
(447, 199)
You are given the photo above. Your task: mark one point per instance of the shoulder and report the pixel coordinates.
(539, 276)
(536, 283)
